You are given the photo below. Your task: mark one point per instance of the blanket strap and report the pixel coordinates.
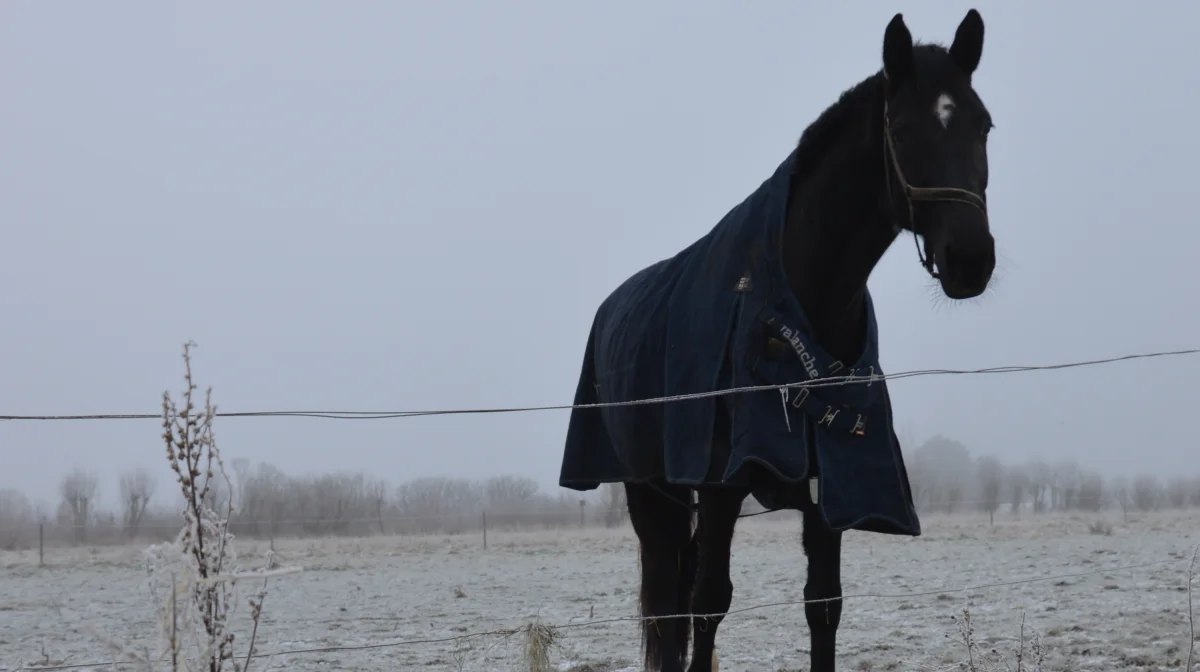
(839, 419)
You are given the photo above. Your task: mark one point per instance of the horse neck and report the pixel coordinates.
(837, 229)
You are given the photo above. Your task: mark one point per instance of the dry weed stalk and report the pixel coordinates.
(1020, 653)
(193, 579)
(539, 639)
(992, 660)
(1191, 638)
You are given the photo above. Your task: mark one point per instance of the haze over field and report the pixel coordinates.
(394, 206)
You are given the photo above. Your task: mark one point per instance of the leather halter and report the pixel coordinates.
(927, 194)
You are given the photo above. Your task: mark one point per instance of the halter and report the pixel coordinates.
(930, 194)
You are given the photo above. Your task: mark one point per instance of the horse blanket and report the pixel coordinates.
(720, 314)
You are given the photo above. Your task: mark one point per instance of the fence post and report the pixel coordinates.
(41, 544)
(581, 503)
(485, 530)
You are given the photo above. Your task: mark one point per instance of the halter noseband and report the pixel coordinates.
(930, 194)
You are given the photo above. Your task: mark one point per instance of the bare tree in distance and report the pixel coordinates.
(941, 473)
(944, 475)
(1040, 480)
(241, 474)
(1121, 493)
(614, 504)
(78, 490)
(1177, 492)
(136, 488)
(264, 499)
(1064, 483)
(377, 495)
(16, 516)
(1018, 483)
(1091, 491)
(991, 477)
(508, 492)
(1147, 493)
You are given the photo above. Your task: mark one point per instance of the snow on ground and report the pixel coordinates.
(389, 589)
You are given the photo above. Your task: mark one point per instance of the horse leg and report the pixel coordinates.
(664, 530)
(713, 591)
(823, 547)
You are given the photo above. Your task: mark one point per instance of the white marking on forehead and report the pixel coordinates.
(944, 109)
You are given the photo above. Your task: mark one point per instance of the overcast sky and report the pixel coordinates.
(402, 205)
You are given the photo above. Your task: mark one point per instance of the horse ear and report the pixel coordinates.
(968, 43)
(897, 49)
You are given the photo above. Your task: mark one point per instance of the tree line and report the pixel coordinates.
(272, 503)
(945, 478)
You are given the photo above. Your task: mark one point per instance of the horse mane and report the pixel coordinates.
(855, 102)
(823, 134)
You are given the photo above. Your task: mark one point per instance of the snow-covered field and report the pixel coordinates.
(386, 590)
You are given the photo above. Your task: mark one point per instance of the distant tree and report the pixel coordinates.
(614, 504)
(78, 490)
(16, 518)
(1065, 481)
(508, 493)
(1194, 492)
(1122, 493)
(991, 477)
(376, 490)
(265, 499)
(1177, 492)
(941, 473)
(136, 488)
(1091, 491)
(1040, 479)
(241, 475)
(1147, 493)
(1018, 483)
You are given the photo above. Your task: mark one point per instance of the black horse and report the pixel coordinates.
(777, 293)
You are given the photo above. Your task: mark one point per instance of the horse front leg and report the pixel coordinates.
(823, 547)
(713, 589)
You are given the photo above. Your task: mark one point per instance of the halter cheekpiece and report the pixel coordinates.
(928, 194)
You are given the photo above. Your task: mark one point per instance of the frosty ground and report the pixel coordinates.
(388, 590)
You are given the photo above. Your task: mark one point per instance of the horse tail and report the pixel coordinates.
(688, 563)
(672, 553)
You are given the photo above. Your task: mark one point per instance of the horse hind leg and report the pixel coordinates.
(664, 530)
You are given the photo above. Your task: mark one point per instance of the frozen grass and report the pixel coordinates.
(385, 589)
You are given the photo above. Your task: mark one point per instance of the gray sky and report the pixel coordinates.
(397, 205)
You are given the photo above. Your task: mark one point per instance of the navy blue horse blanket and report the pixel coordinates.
(712, 317)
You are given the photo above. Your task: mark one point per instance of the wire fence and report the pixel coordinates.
(965, 590)
(852, 378)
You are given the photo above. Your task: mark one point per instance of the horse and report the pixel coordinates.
(775, 295)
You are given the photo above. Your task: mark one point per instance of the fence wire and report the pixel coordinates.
(508, 632)
(851, 379)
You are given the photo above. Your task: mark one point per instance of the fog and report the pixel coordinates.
(393, 206)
